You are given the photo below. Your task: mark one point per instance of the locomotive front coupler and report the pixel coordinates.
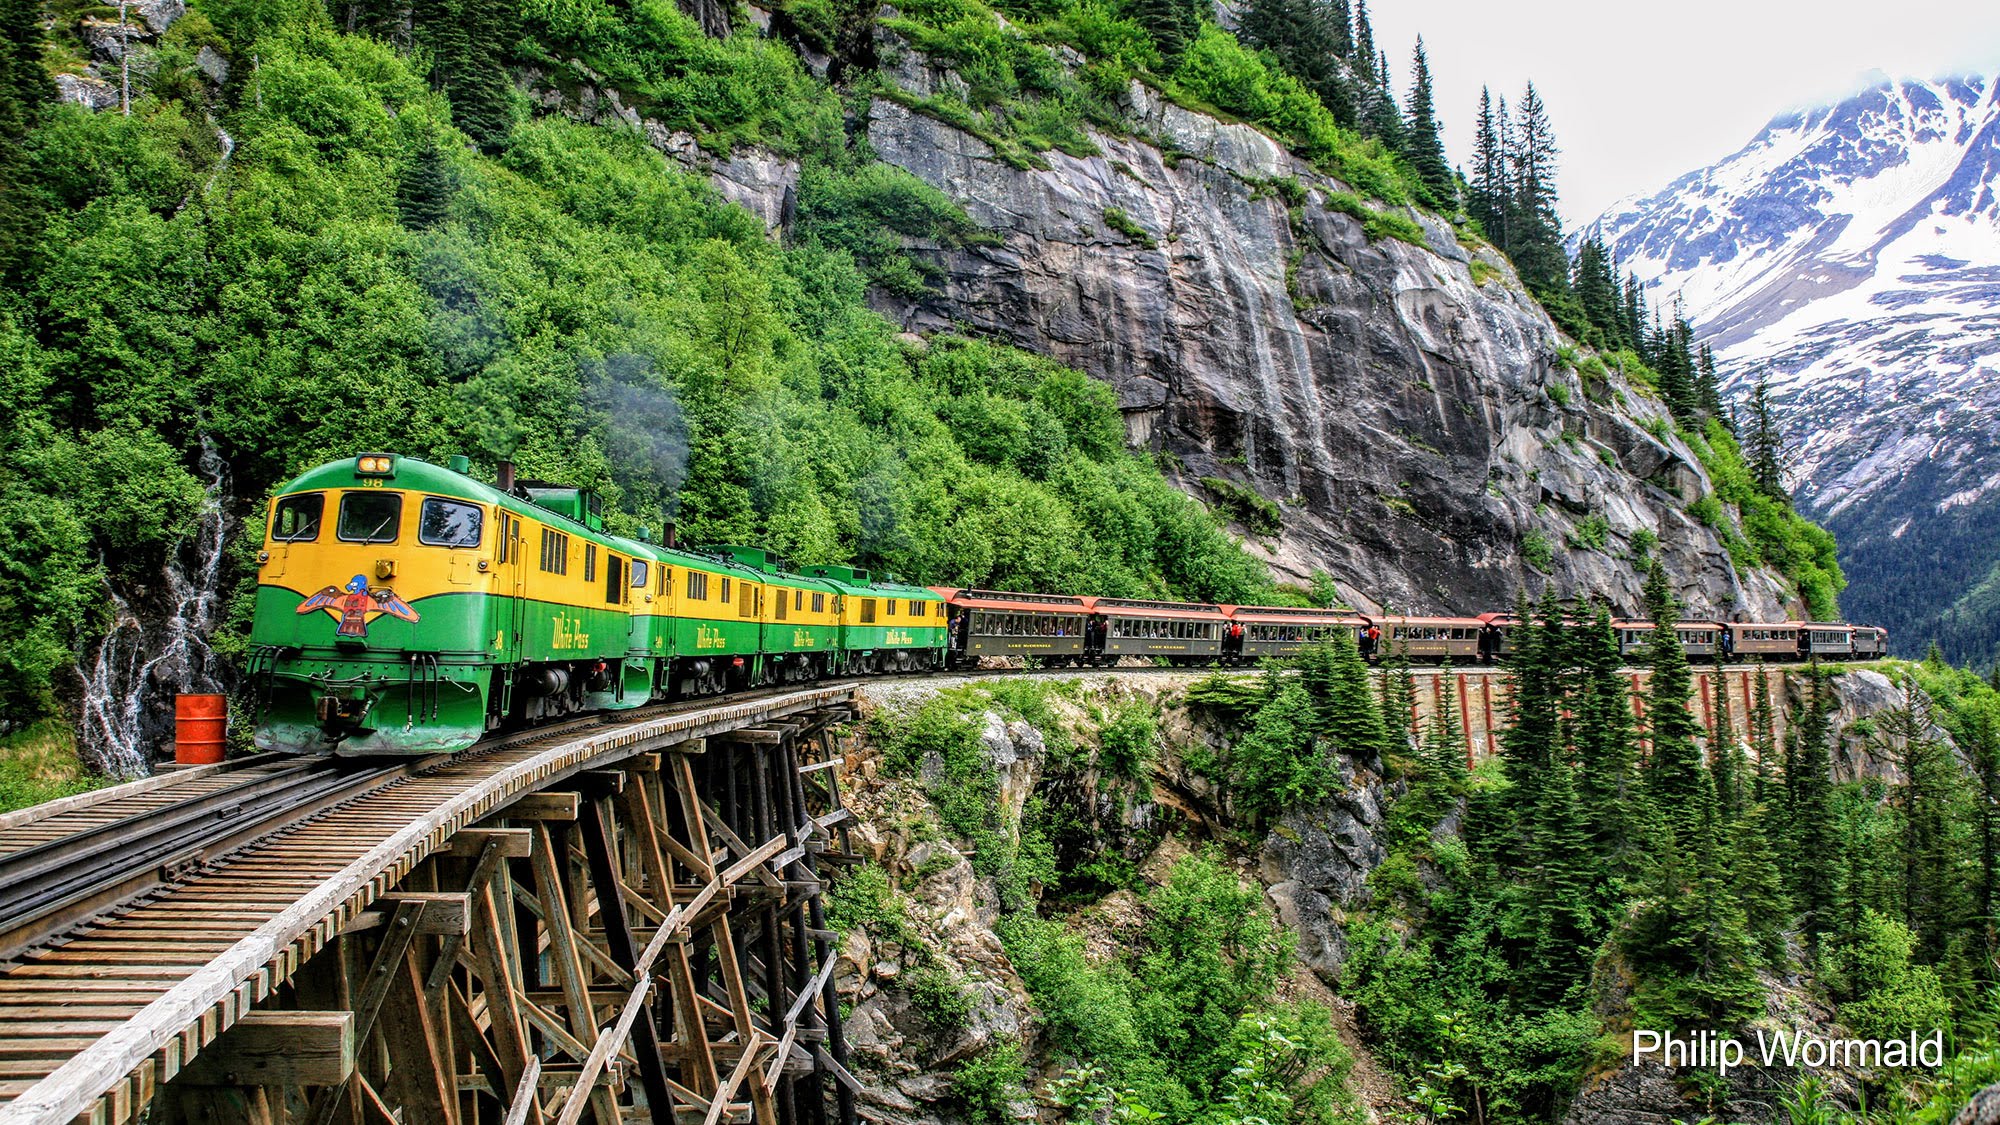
(339, 718)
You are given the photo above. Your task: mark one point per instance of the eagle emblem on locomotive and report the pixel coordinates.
(358, 604)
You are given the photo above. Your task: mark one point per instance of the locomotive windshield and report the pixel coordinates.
(369, 517)
(297, 518)
(449, 523)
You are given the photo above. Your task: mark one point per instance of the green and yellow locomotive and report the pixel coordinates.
(406, 608)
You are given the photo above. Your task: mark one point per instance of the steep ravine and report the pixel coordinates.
(1312, 867)
(1409, 409)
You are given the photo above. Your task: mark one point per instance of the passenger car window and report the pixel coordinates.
(297, 518)
(449, 523)
(369, 517)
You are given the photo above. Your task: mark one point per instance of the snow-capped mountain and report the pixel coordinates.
(1852, 253)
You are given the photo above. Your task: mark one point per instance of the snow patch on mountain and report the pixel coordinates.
(1851, 253)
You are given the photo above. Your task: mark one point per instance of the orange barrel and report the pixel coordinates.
(200, 724)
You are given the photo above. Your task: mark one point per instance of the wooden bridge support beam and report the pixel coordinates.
(640, 943)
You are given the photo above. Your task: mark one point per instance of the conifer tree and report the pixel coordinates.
(1336, 678)
(1635, 312)
(1763, 731)
(1979, 736)
(1674, 770)
(424, 188)
(471, 43)
(1399, 697)
(1604, 739)
(1927, 790)
(1726, 759)
(1766, 452)
(25, 94)
(1535, 716)
(1812, 829)
(1363, 50)
(1309, 39)
(1379, 116)
(1491, 190)
(1671, 354)
(1564, 882)
(1708, 388)
(1534, 226)
(1444, 739)
(1422, 144)
(1598, 294)
(1753, 865)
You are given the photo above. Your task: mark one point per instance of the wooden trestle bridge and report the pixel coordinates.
(615, 920)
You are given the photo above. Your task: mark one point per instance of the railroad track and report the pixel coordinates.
(100, 1010)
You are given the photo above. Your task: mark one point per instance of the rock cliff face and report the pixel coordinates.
(1406, 407)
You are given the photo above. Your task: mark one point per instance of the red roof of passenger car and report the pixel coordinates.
(1451, 622)
(1007, 600)
(1110, 607)
(1289, 615)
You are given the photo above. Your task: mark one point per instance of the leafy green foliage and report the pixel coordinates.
(990, 1082)
(1185, 1027)
(1257, 515)
(1118, 220)
(359, 275)
(739, 90)
(1217, 71)
(1375, 223)
(1778, 537)
(1536, 551)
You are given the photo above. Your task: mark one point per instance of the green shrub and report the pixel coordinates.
(1219, 72)
(1376, 224)
(1593, 533)
(990, 1082)
(1119, 221)
(869, 211)
(1536, 550)
(1129, 743)
(938, 997)
(1257, 515)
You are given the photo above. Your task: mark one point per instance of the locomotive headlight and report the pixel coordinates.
(375, 465)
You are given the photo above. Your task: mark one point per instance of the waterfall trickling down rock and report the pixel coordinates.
(158, 643)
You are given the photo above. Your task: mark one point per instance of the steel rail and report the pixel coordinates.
(152, 1045)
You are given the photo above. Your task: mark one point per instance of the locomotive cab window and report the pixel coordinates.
(296, 519)
(614, 579)
(640, 574)
(369, 517)
(449, 523)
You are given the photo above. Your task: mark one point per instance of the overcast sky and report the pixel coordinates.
(1641, 93)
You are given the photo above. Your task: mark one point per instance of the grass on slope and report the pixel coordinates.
(39, 764)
